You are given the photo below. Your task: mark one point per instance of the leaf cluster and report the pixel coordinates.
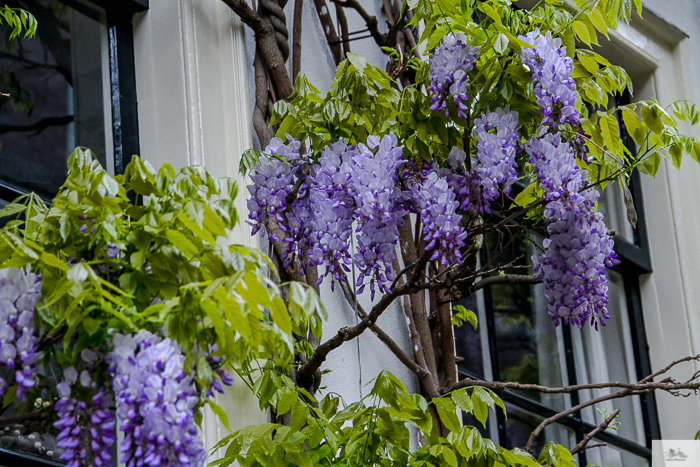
(150, 250)
(18, 20)
(374, 431)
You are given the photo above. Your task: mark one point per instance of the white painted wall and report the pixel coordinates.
(194, 62)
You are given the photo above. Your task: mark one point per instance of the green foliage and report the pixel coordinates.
(461, 315)
(176, 269)
(18, 20)
(372, 432)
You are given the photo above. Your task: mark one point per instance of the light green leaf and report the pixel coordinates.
(634, 125)
(500, 43)
(77, 273)
(448, 413)
(358, 61)
(182, 243)
(219, 413)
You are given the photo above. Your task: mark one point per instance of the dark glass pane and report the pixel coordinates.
(521, 423)
(608, 355)
(58, 86)
(530, 348)
(611, 456)
(468, 342)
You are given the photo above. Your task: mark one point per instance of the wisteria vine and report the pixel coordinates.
(373, 189)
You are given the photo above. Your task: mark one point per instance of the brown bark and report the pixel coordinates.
(418, 308)
(447, 343)
(296, 38)
(324, 15)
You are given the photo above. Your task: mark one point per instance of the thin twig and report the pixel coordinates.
(600, 428)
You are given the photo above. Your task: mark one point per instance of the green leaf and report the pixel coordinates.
(500, 43)
(634, 125)
(610, 130)
(650, 164)
(652, 117)
(582, 32)
(182, 243)
(461, 315)
(462, 399)
(448, 413)
(91, 325)
(280, 316)
(249, 160)
(9, 396)
(528, 196)
(358, 61)
(219, 413)
(77, 273)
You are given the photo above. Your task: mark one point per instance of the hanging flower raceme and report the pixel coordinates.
(379, 210)
(497, 143)
(273, 180)
(579, 247)
(436, 204)
(19, 292)
(87, 430)
(155, 402)
(331, 201)
(551, 70)
(449, 65)
(458, 178)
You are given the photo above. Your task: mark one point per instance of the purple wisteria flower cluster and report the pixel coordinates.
(20, 290)
(331, 201)
(442, 229)
(155, 402)
(379, 209)
(551, 70)
(449, 65)
(496, 149)
(273, 180)
(579, 247)
(87, 431)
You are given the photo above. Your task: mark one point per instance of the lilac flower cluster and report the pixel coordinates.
(379, 210)
(221, 376)
(551, 71)
(579, 247)
(273, 180)
(332, 204)
(437, 205)
(155, 402)
(19, 292)
(457, 176)
(87, 432)
(449, 65)
(497, 143)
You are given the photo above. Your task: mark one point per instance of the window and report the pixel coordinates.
(517, 341)
(72, 85)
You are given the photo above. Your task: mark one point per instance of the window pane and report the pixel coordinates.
(59, 87)
(469, 341)
(521, 423)
(611, 456)
(530, 348)
(607, 355)
(612, 205)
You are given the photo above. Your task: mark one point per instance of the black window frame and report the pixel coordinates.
(122, 77)
(125, 133)
(635, 261)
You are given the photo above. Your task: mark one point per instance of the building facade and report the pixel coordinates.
(170, 80)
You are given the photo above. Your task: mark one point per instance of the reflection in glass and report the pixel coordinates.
(468, 342)
(530, 348)
(612, 205)
(607, 355)
(59, 95)
(611, 456)
(521, 423)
